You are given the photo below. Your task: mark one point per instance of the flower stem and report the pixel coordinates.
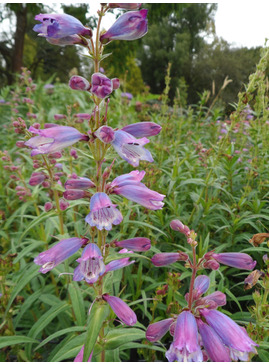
(194, 271)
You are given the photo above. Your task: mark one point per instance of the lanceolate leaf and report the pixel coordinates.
(13, 340)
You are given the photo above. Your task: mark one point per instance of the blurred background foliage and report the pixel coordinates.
(177, 34)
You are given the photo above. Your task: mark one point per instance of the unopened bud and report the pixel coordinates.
(48, 206)
(63, 204)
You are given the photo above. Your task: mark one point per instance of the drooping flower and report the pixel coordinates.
(231, 334)
(59, 26)
(143, 129)
(121, 309)
(91, 265)
(185, 345)
(58, 253)
(135, 244)
(157, 330)
(53, 139)
(131, 149)
(129, 186)
(102, 86)
(236, 260)
(212, 343)
(102, 212)
(129, 26)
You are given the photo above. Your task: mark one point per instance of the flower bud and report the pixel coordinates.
(157, 330)
(178, 226)
(135, 244)
(63, 204)
(121, 309)
(78, 184)
(48, 206)
(59, 116)
(105, 134)
(101, 85)
(71, 195)
(162, 259)
(115, 83)
(37, 178)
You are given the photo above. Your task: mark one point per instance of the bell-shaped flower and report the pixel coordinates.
(129, 26)
(143, 129)
(129, 6)
(53, 139)
(58, 253)
(59, 26)
(236, 260)
(135, 244)
(79, 83)
(102, 86)
(91, 265)
(131, 149)
(129, 186)
(121, 309)
(212, 343)
(231, 334)
(102, 212)
(157, 330)
(185, 346)
(78, 184)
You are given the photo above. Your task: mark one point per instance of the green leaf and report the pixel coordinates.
(70, 349)
(118, 337)
(98, 315)
(44, 320)
(77, 303)
(26, 276)
(60, 333)
(230, 294)
(13, 340)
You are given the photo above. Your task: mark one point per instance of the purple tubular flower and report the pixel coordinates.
(105, 134)
(236, 260)
(59, 26)
(115, 83)
(129, 26)
(231, 334)
(79, 357)
(162, 259)
(68, 40)
(79, 184)
(157, 330)
(129, 6)
(58, 253)
(201, 285)
(102, 86)
(185, 346)
(121, 309)
(83, 116)
(91, 265)
(79, 83)
(53, 139)
(212, 343)
(143, 129)
(131, 149)
(118, 264)
(72, 195)
(135, 244)
(37, 178)
(103, 213)
(129, 186)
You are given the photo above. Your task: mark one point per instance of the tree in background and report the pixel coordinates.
(174, 37)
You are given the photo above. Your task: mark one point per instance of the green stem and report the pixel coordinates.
(194, 271)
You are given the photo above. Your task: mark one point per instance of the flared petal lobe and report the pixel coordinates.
(129, 26)
(58, 253)
(121, 309)
(91, 265)
(131, 149)
(103, 214)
